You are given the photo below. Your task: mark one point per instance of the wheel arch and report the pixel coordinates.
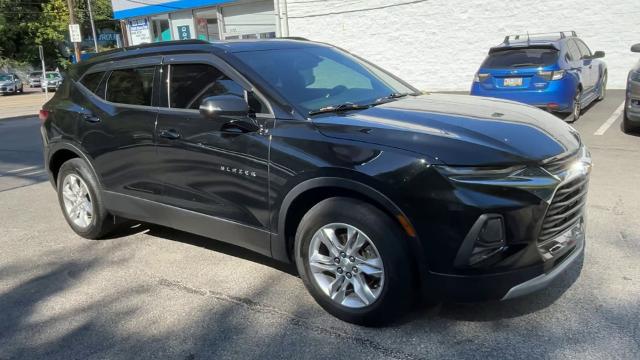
(61, 153)
(308, 193)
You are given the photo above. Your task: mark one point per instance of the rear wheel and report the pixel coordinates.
(352, 259)
(81, 202)
(577, 107)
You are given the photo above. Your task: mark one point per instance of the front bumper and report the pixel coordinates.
(632, 103)
(542, 281)
(7, 89)
(543, 211)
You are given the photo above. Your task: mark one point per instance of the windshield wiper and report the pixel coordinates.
(339, 108)
(393, 96)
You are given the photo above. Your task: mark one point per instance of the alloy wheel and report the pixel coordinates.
(77, 201)
(346, 265)
(577, 108)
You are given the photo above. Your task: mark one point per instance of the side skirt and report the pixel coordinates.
(204, 225)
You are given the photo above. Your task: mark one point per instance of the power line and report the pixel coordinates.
(357, 10)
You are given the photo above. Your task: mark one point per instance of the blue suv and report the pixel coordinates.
(556, 72)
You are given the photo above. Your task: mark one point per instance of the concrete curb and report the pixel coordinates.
(19, 117)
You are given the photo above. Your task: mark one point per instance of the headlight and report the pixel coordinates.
(484, 172)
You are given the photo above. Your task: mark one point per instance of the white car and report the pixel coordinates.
(10, 84)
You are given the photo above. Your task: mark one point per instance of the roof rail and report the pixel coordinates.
(527, 36)
(166, 43)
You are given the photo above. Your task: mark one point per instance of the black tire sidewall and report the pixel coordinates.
(388, 239)
(101, 222)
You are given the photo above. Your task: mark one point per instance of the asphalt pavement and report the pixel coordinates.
(153, 292)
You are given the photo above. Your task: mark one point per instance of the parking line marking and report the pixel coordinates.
(607, 124)
(22, 169)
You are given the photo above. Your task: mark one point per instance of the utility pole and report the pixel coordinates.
(72, 20)
(93, 26)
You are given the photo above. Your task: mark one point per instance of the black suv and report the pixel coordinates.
(305, 153)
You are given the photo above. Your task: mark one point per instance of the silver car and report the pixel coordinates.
(35, 79)
(10, 84)
(52, 81)
(631, 119)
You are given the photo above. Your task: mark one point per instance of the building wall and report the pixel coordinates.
(439, 44)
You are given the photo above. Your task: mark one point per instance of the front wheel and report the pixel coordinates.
(351, 257)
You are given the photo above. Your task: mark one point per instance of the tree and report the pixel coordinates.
(26, 24)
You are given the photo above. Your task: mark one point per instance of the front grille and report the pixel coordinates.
(565, 209)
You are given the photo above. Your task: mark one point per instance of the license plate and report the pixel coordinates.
(513, 82)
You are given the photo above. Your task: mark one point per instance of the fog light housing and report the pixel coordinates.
(485, 239)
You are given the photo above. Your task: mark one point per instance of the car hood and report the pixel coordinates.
(458, 130)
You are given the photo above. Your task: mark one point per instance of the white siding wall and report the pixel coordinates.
(439, 44)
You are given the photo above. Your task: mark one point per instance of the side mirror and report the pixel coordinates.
(598, 54)
(635, 48)
(223, 105)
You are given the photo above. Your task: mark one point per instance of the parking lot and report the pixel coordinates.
(153, 292)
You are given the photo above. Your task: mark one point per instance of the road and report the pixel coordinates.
(19, 105)
(152, 292)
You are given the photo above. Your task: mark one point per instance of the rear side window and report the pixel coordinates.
(191, 83)
(572, 51)
(584, 50)
(91, 81)
(515, 58)
(131, 86)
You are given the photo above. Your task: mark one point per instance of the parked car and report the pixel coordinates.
(557, 72)
(10, 83)
(52, 82)
(305, 153)
(35, 79)
(631, 121)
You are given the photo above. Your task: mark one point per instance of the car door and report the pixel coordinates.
(573, 56)
(118, 126)
(209, 166)
(587, 65)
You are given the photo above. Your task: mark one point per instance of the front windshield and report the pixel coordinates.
(314, 78)
(35, 74)
(53, 76)
(5, 77)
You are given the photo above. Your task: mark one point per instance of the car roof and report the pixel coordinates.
(543, 40)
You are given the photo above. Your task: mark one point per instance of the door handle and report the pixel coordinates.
(90, 118)
(170, 134)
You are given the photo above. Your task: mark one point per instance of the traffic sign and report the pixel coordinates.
(74, 33)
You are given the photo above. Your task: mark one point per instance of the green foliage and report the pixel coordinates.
(26, 24)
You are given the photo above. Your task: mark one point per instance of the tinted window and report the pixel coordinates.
(572, 51)
(314, 78)
(190, 83)
(131, 86)
(91, 81)
(584, 50)
(521, 58)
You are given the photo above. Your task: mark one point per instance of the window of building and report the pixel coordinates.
(91, 81)
(253, 20)
(191, 83)
(207, 26)
(131, 86)
(160, 28)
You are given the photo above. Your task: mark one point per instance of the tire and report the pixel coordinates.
(603, 87)
(100, 222)
(389, 293)
(627, 128)
(577, 108)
